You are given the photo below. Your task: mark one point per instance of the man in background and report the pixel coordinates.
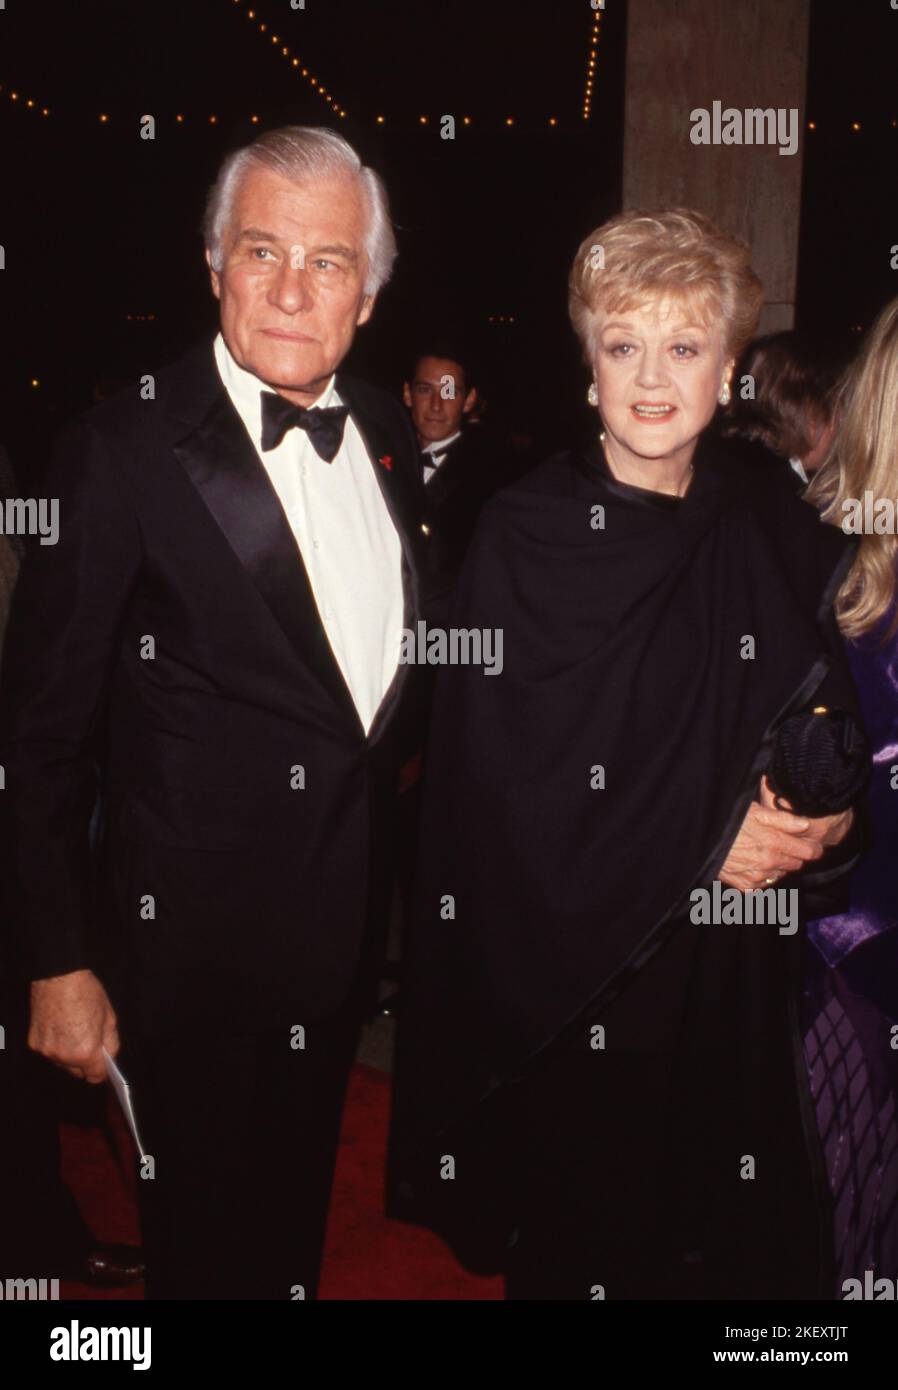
(459, 467)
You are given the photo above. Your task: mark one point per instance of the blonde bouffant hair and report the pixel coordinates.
(675, 254)
(864, 458)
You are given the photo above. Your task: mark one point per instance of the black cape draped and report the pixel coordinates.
(572, 802)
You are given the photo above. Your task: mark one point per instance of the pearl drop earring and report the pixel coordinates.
(592, 394)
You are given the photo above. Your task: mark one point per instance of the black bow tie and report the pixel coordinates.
(323, 426)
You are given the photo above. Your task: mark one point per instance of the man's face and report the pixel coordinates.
(292, 284)
(438, 398)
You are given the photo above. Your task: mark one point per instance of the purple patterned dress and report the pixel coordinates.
(851, 1004)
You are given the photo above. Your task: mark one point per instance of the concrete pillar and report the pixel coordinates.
(682, 57)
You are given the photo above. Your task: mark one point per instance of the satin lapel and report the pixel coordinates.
(221, 462)
(398, 494)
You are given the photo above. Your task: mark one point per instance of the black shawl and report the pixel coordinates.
(660, 640)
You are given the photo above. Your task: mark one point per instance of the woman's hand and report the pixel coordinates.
(772, 843)
(829, 830)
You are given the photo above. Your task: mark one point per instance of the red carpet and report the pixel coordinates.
(367, 1256)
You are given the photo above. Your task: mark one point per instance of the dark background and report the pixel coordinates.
(98, 224)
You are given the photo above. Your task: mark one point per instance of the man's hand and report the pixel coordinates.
(72, 1021)
(773, 843)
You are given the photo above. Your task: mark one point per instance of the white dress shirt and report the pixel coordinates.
(437, 452)
(344, 533)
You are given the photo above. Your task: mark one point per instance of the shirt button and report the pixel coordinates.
(316, 545)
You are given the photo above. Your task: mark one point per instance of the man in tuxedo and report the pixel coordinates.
(458, 466)
(214, 641)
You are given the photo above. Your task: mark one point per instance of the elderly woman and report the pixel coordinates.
(600, 1064)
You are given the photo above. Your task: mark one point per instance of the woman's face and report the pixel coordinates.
(658, 372)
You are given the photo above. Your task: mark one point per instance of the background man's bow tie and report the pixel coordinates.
(323, 426)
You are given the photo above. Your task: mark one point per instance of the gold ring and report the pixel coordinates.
(769, 881)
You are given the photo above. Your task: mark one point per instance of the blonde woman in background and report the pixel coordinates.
(851, 1003)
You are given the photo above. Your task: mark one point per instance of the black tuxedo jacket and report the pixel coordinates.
(468, 475)
(171, 643)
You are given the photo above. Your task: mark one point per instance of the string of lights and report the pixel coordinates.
(16, 97)
(591, 60)
(405, 122)
(296, 63)
(500, 121)
(201, 118)
(855, 126)
(25, 103)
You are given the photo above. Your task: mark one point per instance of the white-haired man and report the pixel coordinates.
(218, 631)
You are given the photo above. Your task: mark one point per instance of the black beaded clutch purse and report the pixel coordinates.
(821, 762)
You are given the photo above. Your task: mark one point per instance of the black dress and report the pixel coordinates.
(573, 803)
